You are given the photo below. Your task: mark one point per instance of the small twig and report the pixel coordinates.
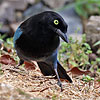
(44, 89)
(13, 70)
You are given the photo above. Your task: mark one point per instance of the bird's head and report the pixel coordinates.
(56, 23)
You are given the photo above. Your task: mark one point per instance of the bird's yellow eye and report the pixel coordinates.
(56, 22)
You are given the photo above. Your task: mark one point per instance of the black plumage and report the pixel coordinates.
(37, 39)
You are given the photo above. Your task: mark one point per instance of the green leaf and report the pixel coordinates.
(2, 36)
(73, 63)
(87, 46)
(98, 59)
(98, 80)
(97, 43)
(79, 9)
(88, 52)
(98, 51)
(87, 78)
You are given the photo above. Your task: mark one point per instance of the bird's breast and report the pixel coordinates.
(37, 47)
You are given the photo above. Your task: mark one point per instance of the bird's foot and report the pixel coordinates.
(60, 85)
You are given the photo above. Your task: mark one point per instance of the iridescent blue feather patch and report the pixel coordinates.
(17, 34)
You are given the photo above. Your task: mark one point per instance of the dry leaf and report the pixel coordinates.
(77, 71)
(29, 66)
(7, 59)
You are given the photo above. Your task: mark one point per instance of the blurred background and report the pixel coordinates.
(75, 12)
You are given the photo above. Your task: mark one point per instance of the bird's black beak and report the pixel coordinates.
(62, 35)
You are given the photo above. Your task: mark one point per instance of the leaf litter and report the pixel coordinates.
(28, 84)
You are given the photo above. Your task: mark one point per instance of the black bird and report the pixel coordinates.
(37, 39)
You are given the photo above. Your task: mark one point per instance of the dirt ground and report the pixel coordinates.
(22, 84)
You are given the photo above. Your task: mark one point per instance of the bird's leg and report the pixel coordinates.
(59, 82)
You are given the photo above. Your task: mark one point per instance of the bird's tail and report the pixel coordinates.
(48, 70)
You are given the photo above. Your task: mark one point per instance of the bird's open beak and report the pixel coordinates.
(62, 35)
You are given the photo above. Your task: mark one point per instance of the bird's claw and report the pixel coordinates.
(60, 85)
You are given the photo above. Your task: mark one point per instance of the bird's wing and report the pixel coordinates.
(48, 70)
